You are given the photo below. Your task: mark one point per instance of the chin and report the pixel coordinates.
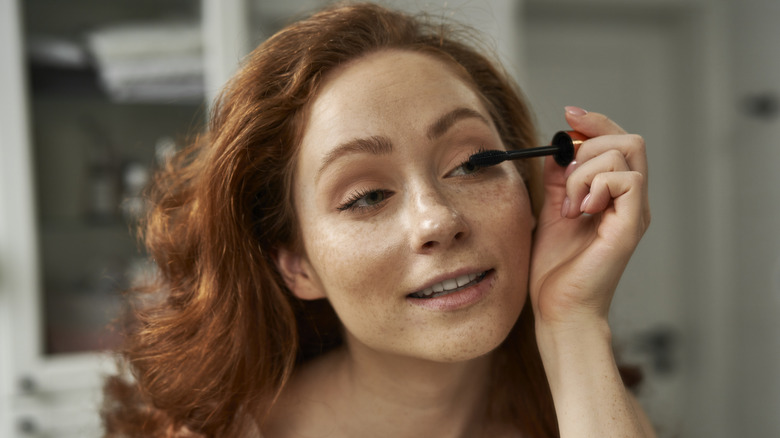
(468, 342)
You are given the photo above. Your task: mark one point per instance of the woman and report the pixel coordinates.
(331, 265)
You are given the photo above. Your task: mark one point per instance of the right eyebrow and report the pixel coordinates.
(448, 120)
(375, 145)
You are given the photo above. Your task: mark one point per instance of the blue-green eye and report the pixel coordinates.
(464, 169)
(373, 198)
(364, 200)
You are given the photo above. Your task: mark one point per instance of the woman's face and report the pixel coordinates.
(420, 254)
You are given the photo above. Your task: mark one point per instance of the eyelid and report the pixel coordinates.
(348, 202)
(466, 161)
(346, 182)
(357, 195)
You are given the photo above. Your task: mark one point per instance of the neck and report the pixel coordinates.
(403, 396)
(355, 392)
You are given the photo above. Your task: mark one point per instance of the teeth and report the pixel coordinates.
(463, 280)
(448, 285)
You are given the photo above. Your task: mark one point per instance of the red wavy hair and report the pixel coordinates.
(222, 335)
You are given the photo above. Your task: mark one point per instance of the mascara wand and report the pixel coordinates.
(563, 147)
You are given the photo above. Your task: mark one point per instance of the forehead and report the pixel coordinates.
(387, 93)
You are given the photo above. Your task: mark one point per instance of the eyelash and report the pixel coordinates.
(351, 203)
(477, 169)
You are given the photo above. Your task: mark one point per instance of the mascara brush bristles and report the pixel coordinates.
(488, 158)
(493, 157)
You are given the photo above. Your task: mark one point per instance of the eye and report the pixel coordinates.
(364, 200)
(465, 168)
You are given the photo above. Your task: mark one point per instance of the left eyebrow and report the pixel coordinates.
(374, 145)
(380, 145)
(445, 122)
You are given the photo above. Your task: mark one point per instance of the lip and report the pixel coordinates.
(459, 299)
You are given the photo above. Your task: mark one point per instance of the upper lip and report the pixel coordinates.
(449, 276)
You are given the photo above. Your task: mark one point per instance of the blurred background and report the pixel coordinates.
(96, 94)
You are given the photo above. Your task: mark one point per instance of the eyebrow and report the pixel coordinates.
(375, 145)
(381, 145)
(445, 122)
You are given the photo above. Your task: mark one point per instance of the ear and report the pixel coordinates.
(298, 275)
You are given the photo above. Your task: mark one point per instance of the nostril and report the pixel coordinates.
(437, 226)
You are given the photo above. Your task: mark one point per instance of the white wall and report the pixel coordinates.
(12, 193)
(756, 218)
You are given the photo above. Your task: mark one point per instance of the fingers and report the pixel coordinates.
(632, 147)
(581, 187)
(608, 166)
(617, 186)
(620, 192)
(603, 133)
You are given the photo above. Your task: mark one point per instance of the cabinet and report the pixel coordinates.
(94, 95)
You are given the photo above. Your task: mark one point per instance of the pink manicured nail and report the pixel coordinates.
(575, 111)
(585, 202)
(565, 207)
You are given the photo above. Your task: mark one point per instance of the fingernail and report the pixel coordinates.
(575, 111)
(565, 207)
(585, 203)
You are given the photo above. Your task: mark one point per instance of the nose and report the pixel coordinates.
(435, 222)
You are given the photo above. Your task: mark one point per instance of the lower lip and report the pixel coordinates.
(457, 300)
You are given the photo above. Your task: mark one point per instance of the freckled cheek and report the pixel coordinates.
(351, 258)
(356, 268)
(501, 216)
(504, 204)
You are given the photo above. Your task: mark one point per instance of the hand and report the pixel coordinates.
(594, 214)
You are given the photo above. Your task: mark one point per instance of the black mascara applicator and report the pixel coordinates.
(563, 147)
